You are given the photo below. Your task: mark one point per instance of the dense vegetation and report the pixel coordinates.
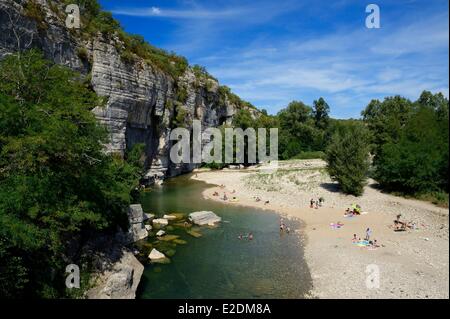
(57, 186)
(410, 144)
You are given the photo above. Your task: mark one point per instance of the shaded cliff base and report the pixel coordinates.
(412, 264)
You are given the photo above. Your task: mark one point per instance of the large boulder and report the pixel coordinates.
(204, 218)
(118, 277)
(156, 255)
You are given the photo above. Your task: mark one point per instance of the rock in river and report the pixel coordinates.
(161, 221)
(160, 233)
(204, 218)
(155, 255)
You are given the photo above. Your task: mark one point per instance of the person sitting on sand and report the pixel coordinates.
(399, 225)
(258, 199)
(266, 202)
(216, 194)
(375, 244)
(354, 238)
(234, 191)
(225, 197)
(311, 203)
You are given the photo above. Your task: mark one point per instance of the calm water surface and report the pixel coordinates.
(218, 264)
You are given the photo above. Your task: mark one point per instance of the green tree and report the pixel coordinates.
(321, 113)
(386, 119)
(418, 161)
(57, 186)
(347, 158)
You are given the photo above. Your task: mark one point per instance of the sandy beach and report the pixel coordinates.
(411, 264)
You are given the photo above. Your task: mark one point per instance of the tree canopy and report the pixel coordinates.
(56, 182)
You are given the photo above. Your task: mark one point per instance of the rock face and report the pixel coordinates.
(117, 279)
(142, 103)
(204, 218)
(137, 230)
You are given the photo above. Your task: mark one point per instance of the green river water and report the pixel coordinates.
(218, 264)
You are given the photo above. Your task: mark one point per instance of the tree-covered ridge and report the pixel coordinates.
(57, 186)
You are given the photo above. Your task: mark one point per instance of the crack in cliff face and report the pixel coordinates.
(143, 102)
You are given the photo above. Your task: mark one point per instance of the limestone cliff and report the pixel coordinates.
(143, 101)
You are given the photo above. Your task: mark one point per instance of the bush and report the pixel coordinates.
(347, 157)
(82, 53)
(418, 161)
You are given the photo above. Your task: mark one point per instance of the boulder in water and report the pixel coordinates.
(155, 255)
(169, 217)
(204, 218)
(160, 233)
(148, 216)
(148, 227)
(161, 221)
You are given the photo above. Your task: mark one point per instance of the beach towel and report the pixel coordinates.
(362, 243)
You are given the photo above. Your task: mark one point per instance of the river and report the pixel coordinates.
(218, 264)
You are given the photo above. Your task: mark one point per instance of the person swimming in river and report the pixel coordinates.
(250, 236)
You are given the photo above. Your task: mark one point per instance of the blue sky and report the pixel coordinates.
(271, 52)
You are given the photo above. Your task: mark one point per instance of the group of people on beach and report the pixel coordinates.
(316, 203)
(403, 226)
(355, 210)
(225, 197)
(367, 242)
